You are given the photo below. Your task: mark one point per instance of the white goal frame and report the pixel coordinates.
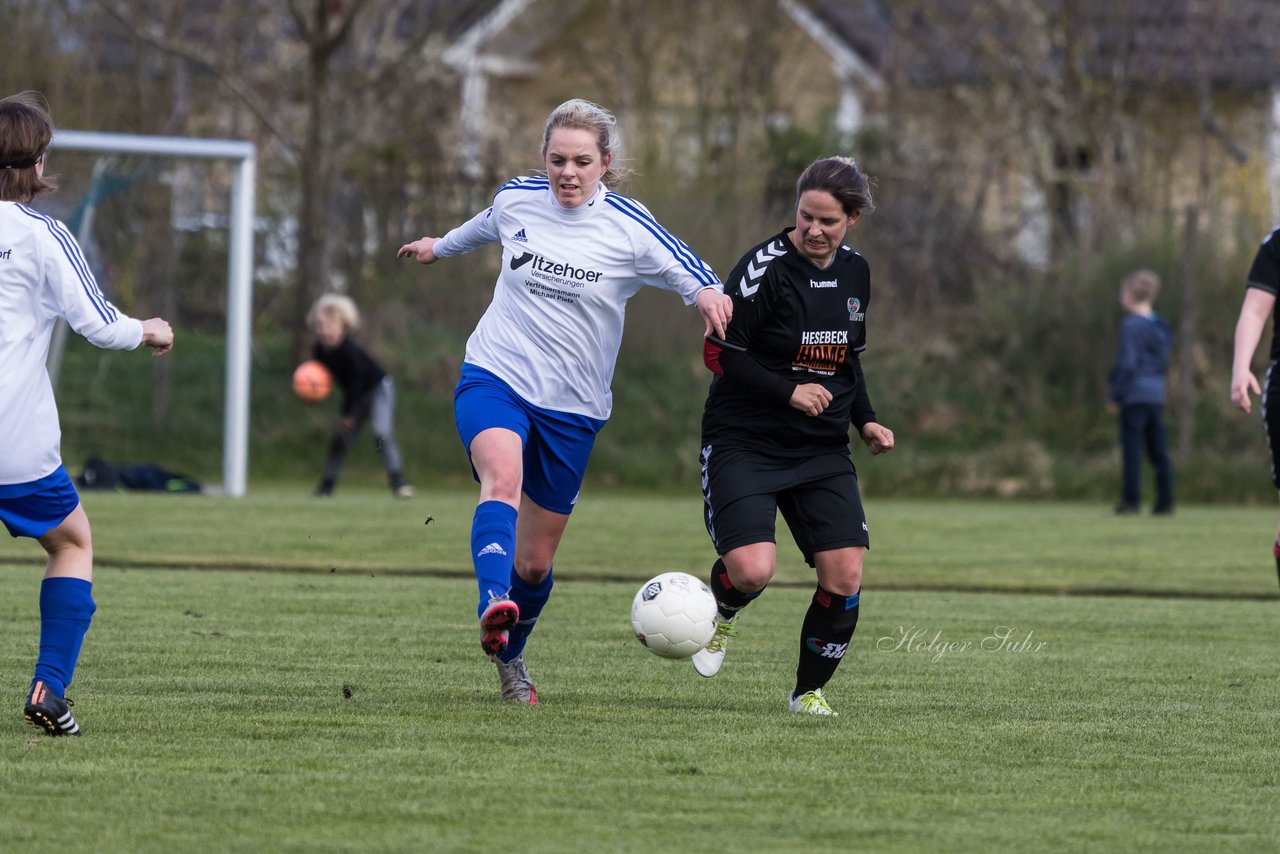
(243, 157)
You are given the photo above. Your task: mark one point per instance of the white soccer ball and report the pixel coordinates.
(673, 614)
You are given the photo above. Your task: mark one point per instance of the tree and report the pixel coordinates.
(316, 77)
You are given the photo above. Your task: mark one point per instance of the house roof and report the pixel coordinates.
(1229, 43)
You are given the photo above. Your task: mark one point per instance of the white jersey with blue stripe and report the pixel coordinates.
(554, 327)
(43, 276)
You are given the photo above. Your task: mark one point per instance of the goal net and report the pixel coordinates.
(166, 224)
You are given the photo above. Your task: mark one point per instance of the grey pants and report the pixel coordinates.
(378, 408)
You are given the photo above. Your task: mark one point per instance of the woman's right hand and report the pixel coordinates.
(158, 335)
(811, 398)
(423, 249)
(1241, 384)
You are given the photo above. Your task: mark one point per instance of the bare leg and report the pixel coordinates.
(70, 548)
(538, 537)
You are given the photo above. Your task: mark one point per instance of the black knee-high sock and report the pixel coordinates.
(729, 599)
(824, 638)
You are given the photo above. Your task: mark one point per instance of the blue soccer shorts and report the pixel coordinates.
(556, 444)
(36, 508)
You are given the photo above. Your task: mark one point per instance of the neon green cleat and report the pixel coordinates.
(812, 703)
(707, 660)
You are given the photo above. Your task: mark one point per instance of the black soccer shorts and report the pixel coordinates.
(742, 491)
(1271, 418)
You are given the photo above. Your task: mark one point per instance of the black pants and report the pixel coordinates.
(1142, 428)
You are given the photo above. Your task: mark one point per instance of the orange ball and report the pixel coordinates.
(312, 381)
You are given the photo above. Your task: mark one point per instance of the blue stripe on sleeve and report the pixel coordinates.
(72, 251)
(678, 248)
(524, 183)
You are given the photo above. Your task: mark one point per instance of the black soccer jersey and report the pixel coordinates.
(353, 369)
(793, 323)
(1265, 275)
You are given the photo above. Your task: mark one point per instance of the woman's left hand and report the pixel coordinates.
(878, 438)
(716, 309)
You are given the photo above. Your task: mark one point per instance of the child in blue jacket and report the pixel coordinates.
(1137, 391)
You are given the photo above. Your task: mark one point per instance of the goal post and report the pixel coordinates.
(243, 158)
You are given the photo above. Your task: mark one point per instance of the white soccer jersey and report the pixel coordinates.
(43, 276)
(554, 327)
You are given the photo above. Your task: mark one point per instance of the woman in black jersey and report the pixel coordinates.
(1259, 307)
(368, 394)
(775, 431)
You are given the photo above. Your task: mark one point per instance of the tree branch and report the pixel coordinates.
(235, 85)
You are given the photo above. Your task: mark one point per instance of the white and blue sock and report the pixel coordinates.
(66, 609)
(493, 549)
(530, 598)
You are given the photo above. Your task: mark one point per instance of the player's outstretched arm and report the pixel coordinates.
(158, 335)
(423, 249)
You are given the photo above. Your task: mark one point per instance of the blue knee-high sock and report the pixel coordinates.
(66, 608)
(530, 598)
(493, 549)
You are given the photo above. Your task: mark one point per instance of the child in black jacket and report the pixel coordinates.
(368, 393)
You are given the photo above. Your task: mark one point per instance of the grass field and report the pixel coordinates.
(281, 673)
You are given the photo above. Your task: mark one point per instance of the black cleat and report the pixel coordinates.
(50, 712)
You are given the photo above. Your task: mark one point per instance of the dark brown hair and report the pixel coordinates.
(25, 132)
(840, 177)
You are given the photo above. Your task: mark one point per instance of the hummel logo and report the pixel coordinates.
(491, 549)
(520, 236)
(776, 249)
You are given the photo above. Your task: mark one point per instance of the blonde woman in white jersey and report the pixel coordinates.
(44, 277)
(535, 378)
